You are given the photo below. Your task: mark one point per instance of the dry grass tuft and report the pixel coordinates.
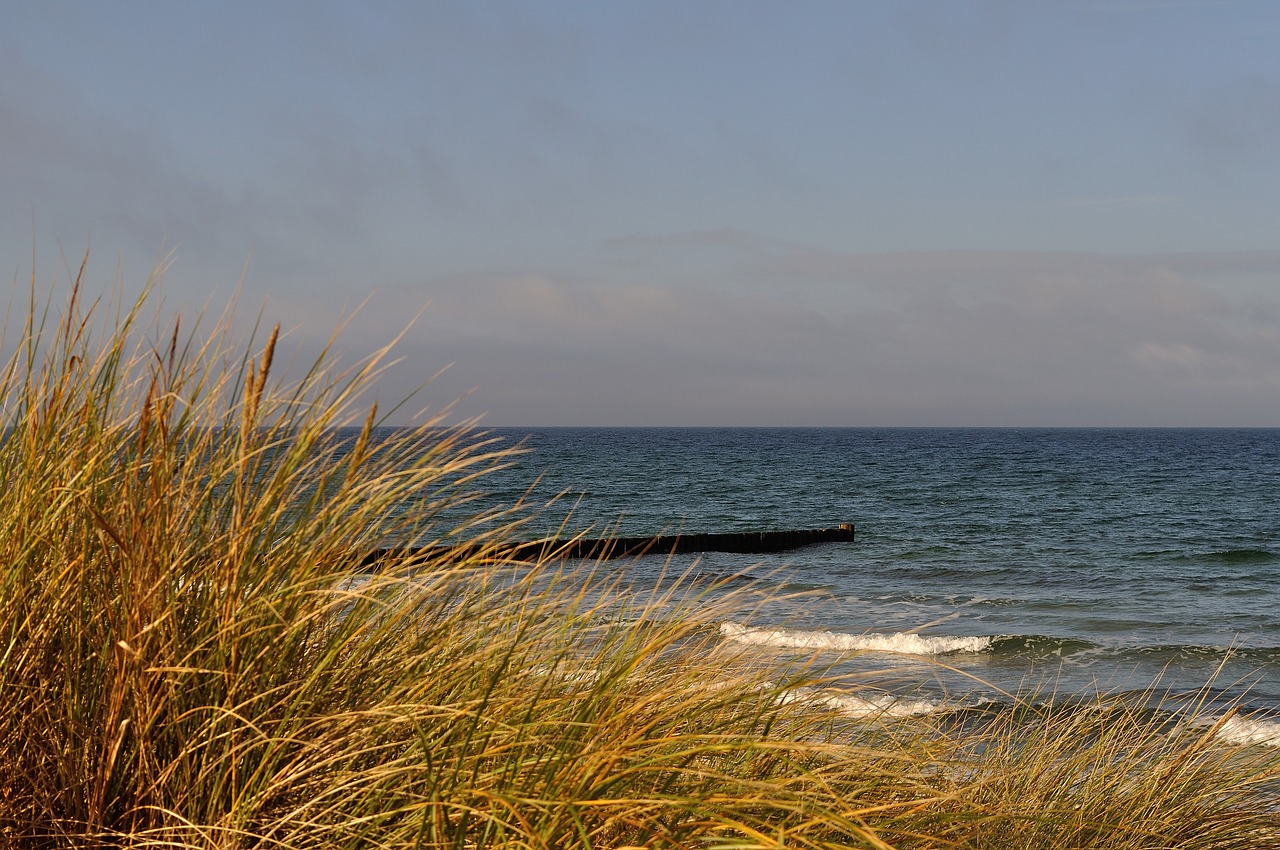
(189, 657)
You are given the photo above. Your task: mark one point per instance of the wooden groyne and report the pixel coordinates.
(603, 548)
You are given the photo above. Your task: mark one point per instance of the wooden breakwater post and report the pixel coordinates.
(605, 548)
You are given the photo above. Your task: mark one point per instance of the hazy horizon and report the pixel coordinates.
(660, 214)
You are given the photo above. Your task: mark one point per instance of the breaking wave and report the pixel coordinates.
(1250, 731)
(906, 643)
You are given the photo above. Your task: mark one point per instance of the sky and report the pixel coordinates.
(854, 213)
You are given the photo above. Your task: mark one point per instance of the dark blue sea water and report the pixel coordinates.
(1083, 560)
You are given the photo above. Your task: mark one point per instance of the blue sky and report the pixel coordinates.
(845, 213)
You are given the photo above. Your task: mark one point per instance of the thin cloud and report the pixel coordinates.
(966, 338)
(694, 240)
(1119, 201)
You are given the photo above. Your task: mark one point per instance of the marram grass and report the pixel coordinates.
(190, 657)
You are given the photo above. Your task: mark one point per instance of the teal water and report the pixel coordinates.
(1088, 559)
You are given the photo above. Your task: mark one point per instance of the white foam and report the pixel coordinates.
(905, 643)
(1248, 730)
(881, 705)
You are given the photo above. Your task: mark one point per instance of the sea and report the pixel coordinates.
(990, 566)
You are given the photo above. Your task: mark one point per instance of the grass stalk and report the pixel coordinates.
(190, 656)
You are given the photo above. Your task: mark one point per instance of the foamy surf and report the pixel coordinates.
(860, 708)
(1249, 731)
(905, 643)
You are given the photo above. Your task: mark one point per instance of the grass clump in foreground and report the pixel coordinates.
(188, 658)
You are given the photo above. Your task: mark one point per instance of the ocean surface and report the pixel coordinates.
(1003, 561)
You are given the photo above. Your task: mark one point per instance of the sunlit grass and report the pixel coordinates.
(191, 657)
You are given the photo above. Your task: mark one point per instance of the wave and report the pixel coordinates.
(1005, 647)
(906, 643)
(1249, 731)
(866, 707)
(1247, 656)
(1040, 646)
(1235, 730)
(1244, 555)
(775, 582)
(1238, 730)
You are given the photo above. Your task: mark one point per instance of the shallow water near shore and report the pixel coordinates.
(1074, 560)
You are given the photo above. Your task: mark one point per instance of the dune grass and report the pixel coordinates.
(191, 658)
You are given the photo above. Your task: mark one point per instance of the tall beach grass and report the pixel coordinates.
(191, 655)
